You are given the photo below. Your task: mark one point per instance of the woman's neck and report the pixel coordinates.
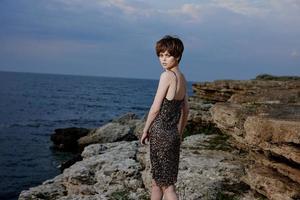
(174, 68)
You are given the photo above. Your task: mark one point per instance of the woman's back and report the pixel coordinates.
(177, 88)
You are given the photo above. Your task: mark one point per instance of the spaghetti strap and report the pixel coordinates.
(175, 84)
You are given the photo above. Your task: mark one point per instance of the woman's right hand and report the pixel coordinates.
(145, 137)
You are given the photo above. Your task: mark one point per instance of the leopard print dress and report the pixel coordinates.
(165, 142)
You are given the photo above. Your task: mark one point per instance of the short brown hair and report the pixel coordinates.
(171, 44)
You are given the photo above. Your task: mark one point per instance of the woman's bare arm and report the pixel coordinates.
(163, 85)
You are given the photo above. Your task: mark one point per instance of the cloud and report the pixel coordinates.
(192, 11)
(287, 10)
(243, 7)
(126, 7)
(295, 54)
(282, 4)
(123, 6)
(222, 33)
(186, 12)
(135, 9)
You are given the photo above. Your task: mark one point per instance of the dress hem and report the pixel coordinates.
(164, 183)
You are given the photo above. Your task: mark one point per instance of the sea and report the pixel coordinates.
(33, 105)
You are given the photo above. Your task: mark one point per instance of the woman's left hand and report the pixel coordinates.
(145, 137)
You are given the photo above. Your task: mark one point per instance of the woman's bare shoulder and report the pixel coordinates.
(166, 75)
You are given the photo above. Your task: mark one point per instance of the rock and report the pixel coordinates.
(65, 139)
(283, 168)
(227, 117)
(271, 184)
(268, 96)
(259, 129)
(288, 152)
(107, 170)
(50, 189)
(204, 172)
(138, 131)
(125, 119)
(218, 91)
(84, 197)
(75, 139)
(113, 170)
(199, 119)
(110, 132)
(241, 91)
(123, 128)
(267, 77)
(70, 162)
(263, 118)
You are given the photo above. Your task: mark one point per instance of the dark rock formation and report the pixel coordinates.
(70, 162)
(65, 139)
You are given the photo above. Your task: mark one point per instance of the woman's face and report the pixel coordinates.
(166, 60)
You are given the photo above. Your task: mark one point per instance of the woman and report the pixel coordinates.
(166, 120)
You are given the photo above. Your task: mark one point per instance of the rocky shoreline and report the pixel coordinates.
(242, 142)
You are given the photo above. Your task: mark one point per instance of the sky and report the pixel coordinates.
(223, 39)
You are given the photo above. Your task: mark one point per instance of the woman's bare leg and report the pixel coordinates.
(170, 193)
(156, 193)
